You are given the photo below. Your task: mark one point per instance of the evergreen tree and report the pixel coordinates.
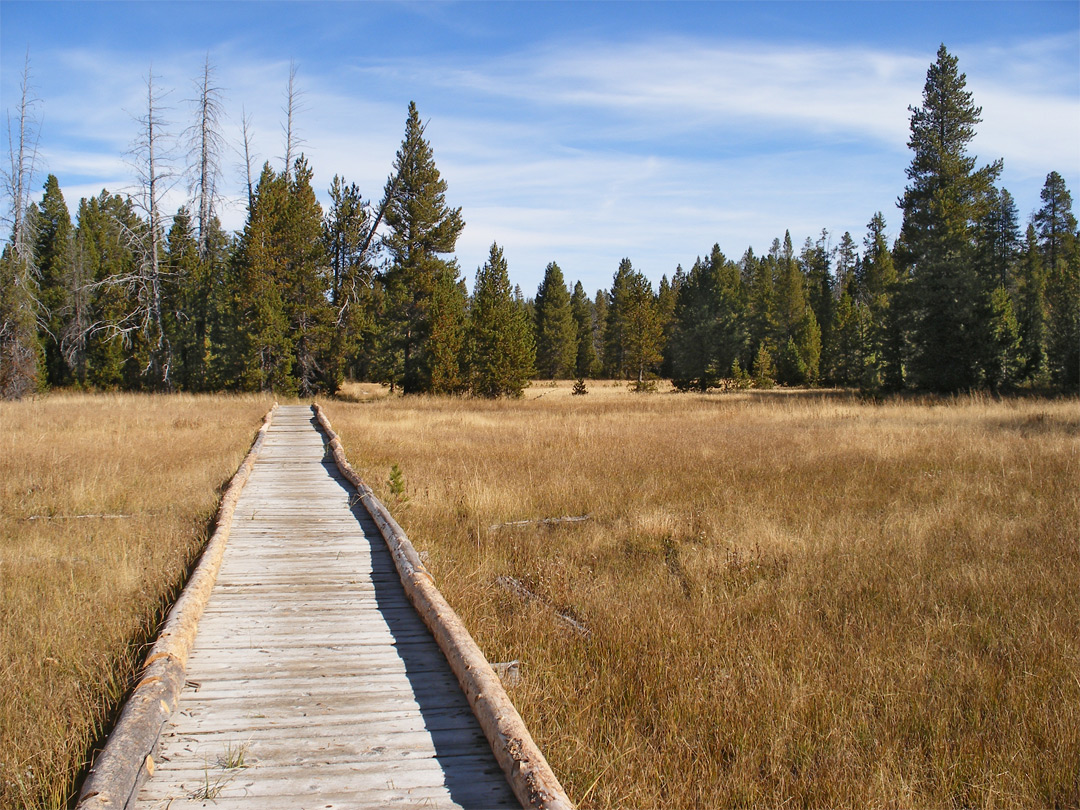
(848, 356)
(666, 299)
(1060, 251)
(108, 347)
(556, 330)
(20, 352)
(761, 312)
(261, 356)
(319, 356)
(947, 196)
(1054, 221)
(448, 335)
(54, 252)
(615, 364)
(500, 337)
(422, 227)
(186, 296)
(347, 235)
(601, 305)
(876, 290)
(708, 337)
(1004, 358)
(798, 336)
(847, 263)
(585, 360)
(1000, 238)
(1031, 310)
(815, 263)
(643, 330)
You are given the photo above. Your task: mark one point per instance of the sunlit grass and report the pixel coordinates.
(791, 598)
(104, 502)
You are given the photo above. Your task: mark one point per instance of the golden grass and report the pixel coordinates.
(79, 595)
(792, 598)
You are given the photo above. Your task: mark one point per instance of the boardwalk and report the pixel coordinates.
(311, 669)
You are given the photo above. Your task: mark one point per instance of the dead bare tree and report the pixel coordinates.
(19, 306)
(154, 173)
(205, 147)
(292, 107)
(245, 130)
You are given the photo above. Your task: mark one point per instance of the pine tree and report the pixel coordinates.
(815, 262)
(556, 330)
(666, 299)
(108, 347)
(848, 356)
(421, 228)
(847, 262)
(644, 331)
(948, 300)
(585, 323)
(615, 364)
(319, 355)
(448, 335)
(1031, 310)
(500, 337)
(1004, 359)
(708, 336)
(1055, 227)
(53, 249)
(601, 305)
(186, 295)
(1000, 238)
(798, 336)
(877, 287)
(260, 356)
(761, 324)
(1054, 221)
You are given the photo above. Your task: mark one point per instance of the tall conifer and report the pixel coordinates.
(422, 227)
(947, 196)
(55, 244)
(501, 350)
(556, 330)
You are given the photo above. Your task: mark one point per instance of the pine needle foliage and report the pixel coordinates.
(500, 338)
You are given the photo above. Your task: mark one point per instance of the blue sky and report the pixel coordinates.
(571, 132)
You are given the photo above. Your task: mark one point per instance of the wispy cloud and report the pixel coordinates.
(585, 151)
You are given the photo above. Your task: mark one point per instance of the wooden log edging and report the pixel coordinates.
(531, 778)
(126, 760)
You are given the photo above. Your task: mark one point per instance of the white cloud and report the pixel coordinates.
(586, 152)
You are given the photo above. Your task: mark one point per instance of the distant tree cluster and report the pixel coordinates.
(302, 298)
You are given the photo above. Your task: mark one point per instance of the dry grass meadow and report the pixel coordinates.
(79, 596)
(790, 599)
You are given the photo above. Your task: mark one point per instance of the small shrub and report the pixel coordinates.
(397, 485)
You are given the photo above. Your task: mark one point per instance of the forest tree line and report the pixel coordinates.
(303, 298)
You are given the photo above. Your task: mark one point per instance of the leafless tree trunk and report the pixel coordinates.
(245, 128)
(151, 163)
(292, 107)
(205, 148)
(19, 308)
